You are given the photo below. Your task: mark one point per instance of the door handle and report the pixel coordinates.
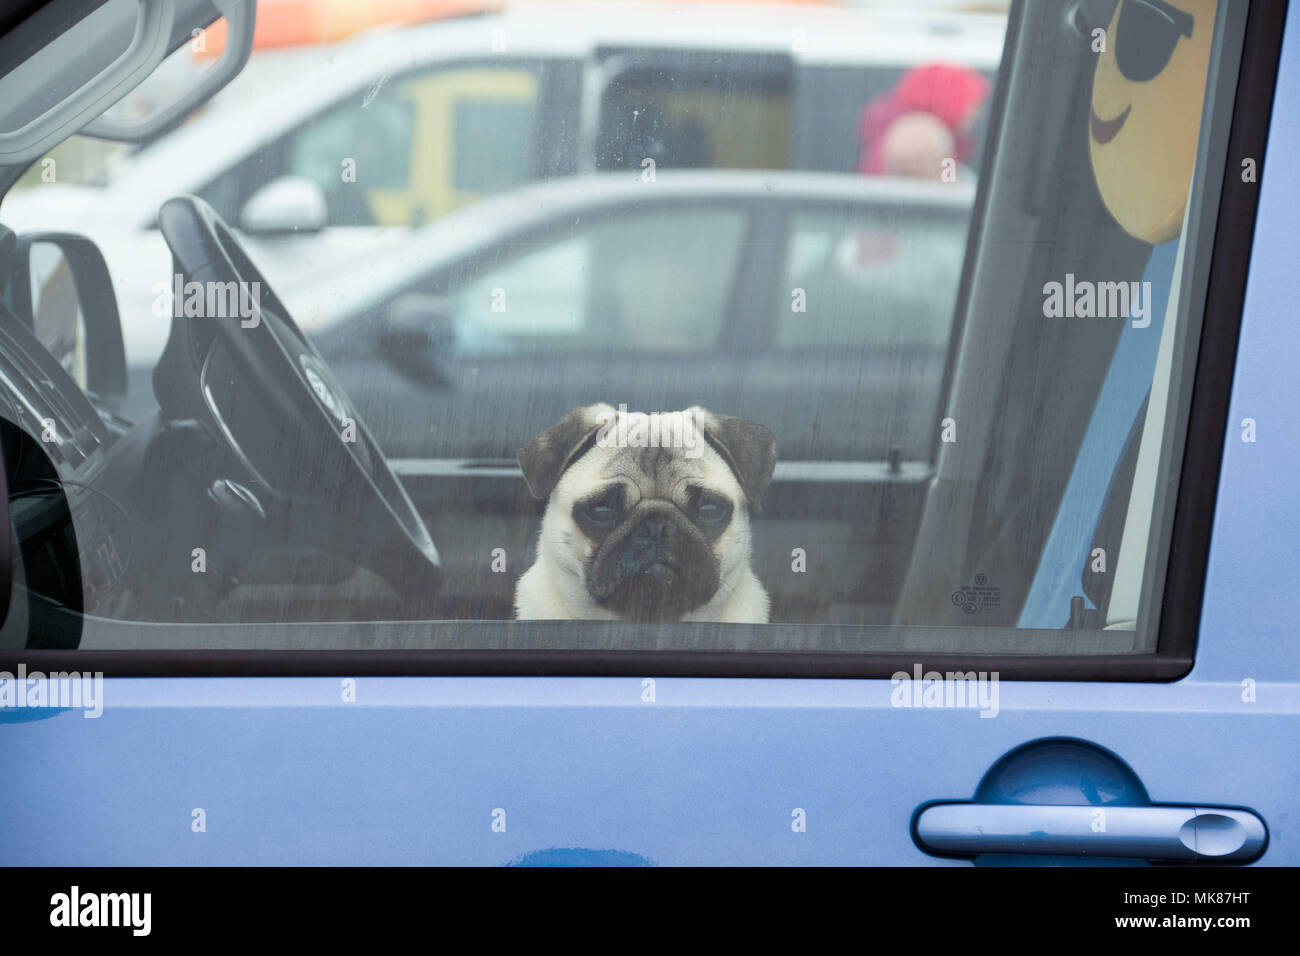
(1152, 833)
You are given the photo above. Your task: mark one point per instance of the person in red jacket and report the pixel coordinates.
(928, 117)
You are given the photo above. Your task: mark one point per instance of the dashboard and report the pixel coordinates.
(73, 539)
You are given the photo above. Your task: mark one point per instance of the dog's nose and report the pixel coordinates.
(655, 540)
(656, 532)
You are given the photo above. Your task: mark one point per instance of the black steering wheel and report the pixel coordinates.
(237, 361)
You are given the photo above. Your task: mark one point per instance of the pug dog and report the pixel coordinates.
(647, 516)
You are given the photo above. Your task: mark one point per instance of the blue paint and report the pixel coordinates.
(1250, 627)
(22, 715)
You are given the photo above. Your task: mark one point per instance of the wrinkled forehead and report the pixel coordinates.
(653, 472)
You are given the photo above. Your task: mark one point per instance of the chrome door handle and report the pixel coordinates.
(1150, 833)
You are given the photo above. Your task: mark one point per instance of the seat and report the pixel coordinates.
(1098, 480)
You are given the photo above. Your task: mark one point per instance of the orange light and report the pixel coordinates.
(282, 23)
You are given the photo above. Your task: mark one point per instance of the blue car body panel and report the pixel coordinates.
(586, 770)
(712, 771)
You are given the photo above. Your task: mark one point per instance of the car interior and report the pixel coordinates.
(257, 496)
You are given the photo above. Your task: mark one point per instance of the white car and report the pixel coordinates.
(323, 155)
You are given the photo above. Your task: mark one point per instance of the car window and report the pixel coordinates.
(883, 341)
(855, 104)
(403, 150)
(380, 133)
(480, 165)
(876, 279)
(730, 111)
(657, 281)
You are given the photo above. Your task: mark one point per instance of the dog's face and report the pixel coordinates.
(648, 515)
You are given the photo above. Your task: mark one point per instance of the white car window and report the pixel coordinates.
(404, 150)
(871, 279)
(654, 282)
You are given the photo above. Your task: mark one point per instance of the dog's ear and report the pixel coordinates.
(545, 458)
(748, 447)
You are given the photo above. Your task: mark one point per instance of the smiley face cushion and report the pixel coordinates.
(1147, 95)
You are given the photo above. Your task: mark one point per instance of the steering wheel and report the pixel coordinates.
(237, 361)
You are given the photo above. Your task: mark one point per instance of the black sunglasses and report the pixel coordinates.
(1145, 37)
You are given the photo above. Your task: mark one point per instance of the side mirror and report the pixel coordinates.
(418, 330)
(60, 287)
(287, 204)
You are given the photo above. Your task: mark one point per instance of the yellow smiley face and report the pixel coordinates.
(1147, 95)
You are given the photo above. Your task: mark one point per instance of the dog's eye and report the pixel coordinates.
(601, 514)
(713, 511)
(597, 516)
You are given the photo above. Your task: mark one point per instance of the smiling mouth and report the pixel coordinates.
(1103, 131)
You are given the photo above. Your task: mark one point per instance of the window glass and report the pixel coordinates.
(734, 112)
(651, 281)
(403, 150)
(56, 309)
(830, 331)
(482, 166)
(379, 134)
(879, 280)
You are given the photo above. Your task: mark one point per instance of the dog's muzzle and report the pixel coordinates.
(656, 565)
